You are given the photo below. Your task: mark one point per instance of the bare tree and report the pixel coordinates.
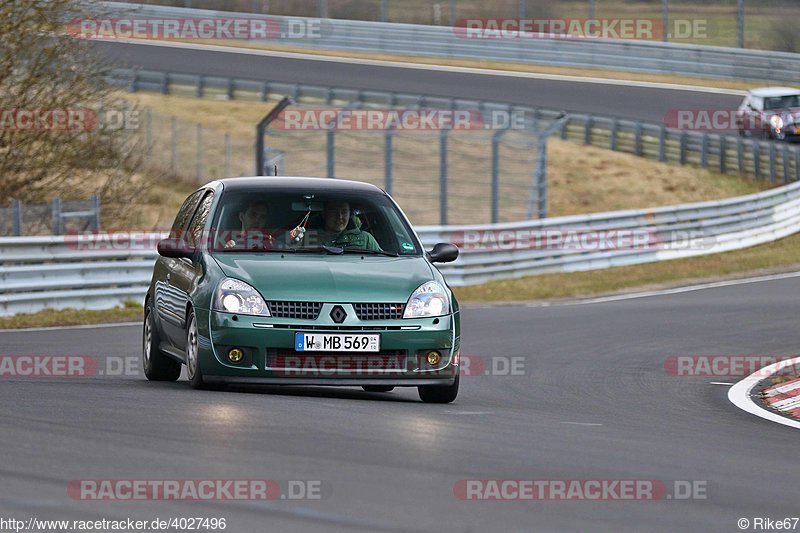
(55, 137)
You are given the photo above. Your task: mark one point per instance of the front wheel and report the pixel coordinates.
(157, 365)
(439, 393)
(192, 356)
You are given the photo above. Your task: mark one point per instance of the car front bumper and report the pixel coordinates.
(270, 356)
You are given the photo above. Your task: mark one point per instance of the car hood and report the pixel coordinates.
(342, 278)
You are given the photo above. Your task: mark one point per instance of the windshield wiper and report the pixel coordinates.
(333, 250)
(365, 251)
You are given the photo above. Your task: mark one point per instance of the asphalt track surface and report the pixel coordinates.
(630, 102)
(594, 402)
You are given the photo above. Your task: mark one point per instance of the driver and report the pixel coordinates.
(253, 217)
(340, 230)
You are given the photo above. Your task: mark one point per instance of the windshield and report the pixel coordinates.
(311, 222)
(782, 102)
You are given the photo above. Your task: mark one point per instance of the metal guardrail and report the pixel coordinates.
(726, 153)
(57, 272)
(438, 41)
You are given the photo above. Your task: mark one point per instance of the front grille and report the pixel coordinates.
(338, 362)
(298, 310)
(379, 311)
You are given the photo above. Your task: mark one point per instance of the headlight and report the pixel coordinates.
(430, 299)
(234, 296)
(776, 121)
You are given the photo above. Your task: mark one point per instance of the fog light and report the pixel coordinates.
(235, 355)
(433, 358)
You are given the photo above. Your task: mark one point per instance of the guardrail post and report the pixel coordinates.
(329, 96)
(563, 131)
(330, 151)
(134, 85)
(16, 218)
(682, 148)
(772, 164)
(723, 145)
(384, 11)
(637, 139)
(165, 83)
(496, 174)
(199, 153)
(56, 216)
(198, 87)
(231, 88)
(740, 154)
(264, 91)
(614, 130)
(95, 202)
(173, 156)
(443, 176)
(756, 158)
(785, 164)
(797, 164)
(587, 132)
(704, 151)
(228, 151)
(388, 153)
(662, 142)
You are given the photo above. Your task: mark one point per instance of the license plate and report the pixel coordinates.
(337, 342)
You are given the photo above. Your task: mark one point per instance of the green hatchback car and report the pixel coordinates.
(301, 281)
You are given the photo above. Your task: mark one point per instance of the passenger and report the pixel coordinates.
(340, 230)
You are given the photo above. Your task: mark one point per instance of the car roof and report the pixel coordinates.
(289, 183)
(767, 92)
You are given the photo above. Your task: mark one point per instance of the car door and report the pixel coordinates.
(186, 272)
(167, 299)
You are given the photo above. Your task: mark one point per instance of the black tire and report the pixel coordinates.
(192, 360)
(378, 388)
(157, 365)
(438, 393)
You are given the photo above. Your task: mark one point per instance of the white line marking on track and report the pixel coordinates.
(739, 394)
(433, 67)
(581, 423)
(720, 383)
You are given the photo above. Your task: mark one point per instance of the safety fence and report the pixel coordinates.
(99, 271)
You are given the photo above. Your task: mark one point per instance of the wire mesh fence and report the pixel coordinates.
(58, 217)
(479, 174)
(438, 175)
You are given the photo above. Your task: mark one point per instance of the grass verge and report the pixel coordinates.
(129, 312)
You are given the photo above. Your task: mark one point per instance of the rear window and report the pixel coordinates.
(782, 102)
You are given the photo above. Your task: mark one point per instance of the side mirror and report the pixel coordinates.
(444, 252)
(175, 248)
